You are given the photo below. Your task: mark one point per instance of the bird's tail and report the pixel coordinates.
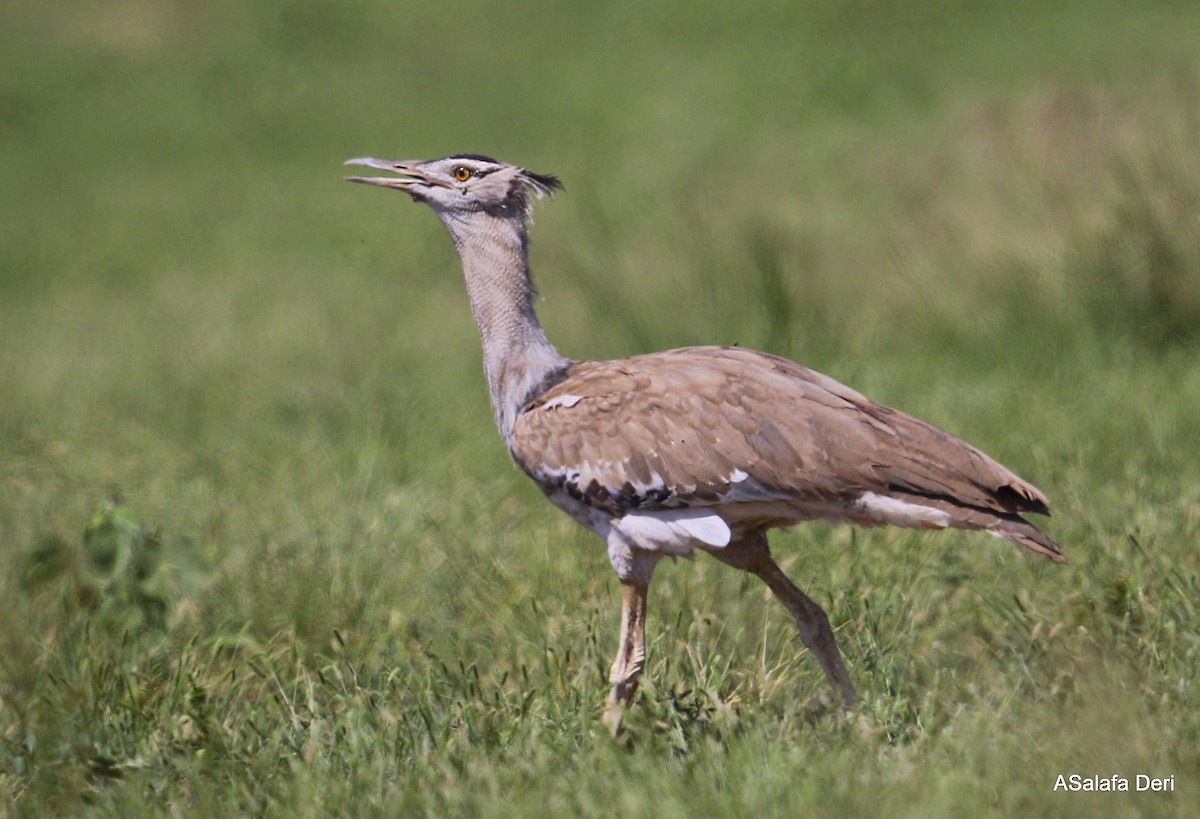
(1006, 525)
(1023, 532)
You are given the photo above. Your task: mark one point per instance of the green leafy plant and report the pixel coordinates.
(118, 574)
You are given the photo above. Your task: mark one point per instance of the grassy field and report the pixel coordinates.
(265, 554)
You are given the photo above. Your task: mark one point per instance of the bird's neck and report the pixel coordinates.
(517, 356)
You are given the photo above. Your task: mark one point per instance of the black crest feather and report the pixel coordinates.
(548, 181)
(476, 158)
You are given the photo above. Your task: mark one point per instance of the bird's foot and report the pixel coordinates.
(624, 687)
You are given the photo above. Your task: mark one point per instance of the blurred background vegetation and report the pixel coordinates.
(265, 554)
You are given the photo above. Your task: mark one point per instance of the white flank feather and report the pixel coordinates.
(883, 509)
(674, 531)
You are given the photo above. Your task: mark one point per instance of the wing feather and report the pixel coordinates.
(687, 427)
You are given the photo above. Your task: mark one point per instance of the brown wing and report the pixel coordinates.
(718, 426)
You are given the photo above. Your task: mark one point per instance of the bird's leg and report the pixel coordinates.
(814, 629)
(752, 555)
(631, 654)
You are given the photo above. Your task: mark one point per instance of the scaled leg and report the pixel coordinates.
(631, 654)
(751, 554)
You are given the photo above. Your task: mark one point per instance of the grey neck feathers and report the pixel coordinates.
(517, 356)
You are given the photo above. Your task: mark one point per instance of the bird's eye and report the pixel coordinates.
(462, 174)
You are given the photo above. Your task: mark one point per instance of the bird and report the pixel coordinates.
(698, 449)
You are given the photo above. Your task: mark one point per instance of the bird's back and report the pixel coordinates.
(761, 441)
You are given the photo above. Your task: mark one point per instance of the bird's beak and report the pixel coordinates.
(410, 173)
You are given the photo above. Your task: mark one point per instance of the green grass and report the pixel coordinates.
(311, 581)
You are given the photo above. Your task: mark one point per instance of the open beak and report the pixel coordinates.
(410, 174)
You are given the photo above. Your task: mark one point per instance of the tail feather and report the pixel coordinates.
(1024, 533)
(1006, 525)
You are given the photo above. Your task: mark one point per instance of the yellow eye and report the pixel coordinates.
(462, 174)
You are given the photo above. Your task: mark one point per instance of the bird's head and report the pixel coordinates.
(462, 184)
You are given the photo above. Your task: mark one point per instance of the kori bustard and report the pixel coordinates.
(699, 448)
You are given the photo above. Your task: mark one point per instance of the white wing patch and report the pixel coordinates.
(674, 531)
(565, 401)
(882, 509)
